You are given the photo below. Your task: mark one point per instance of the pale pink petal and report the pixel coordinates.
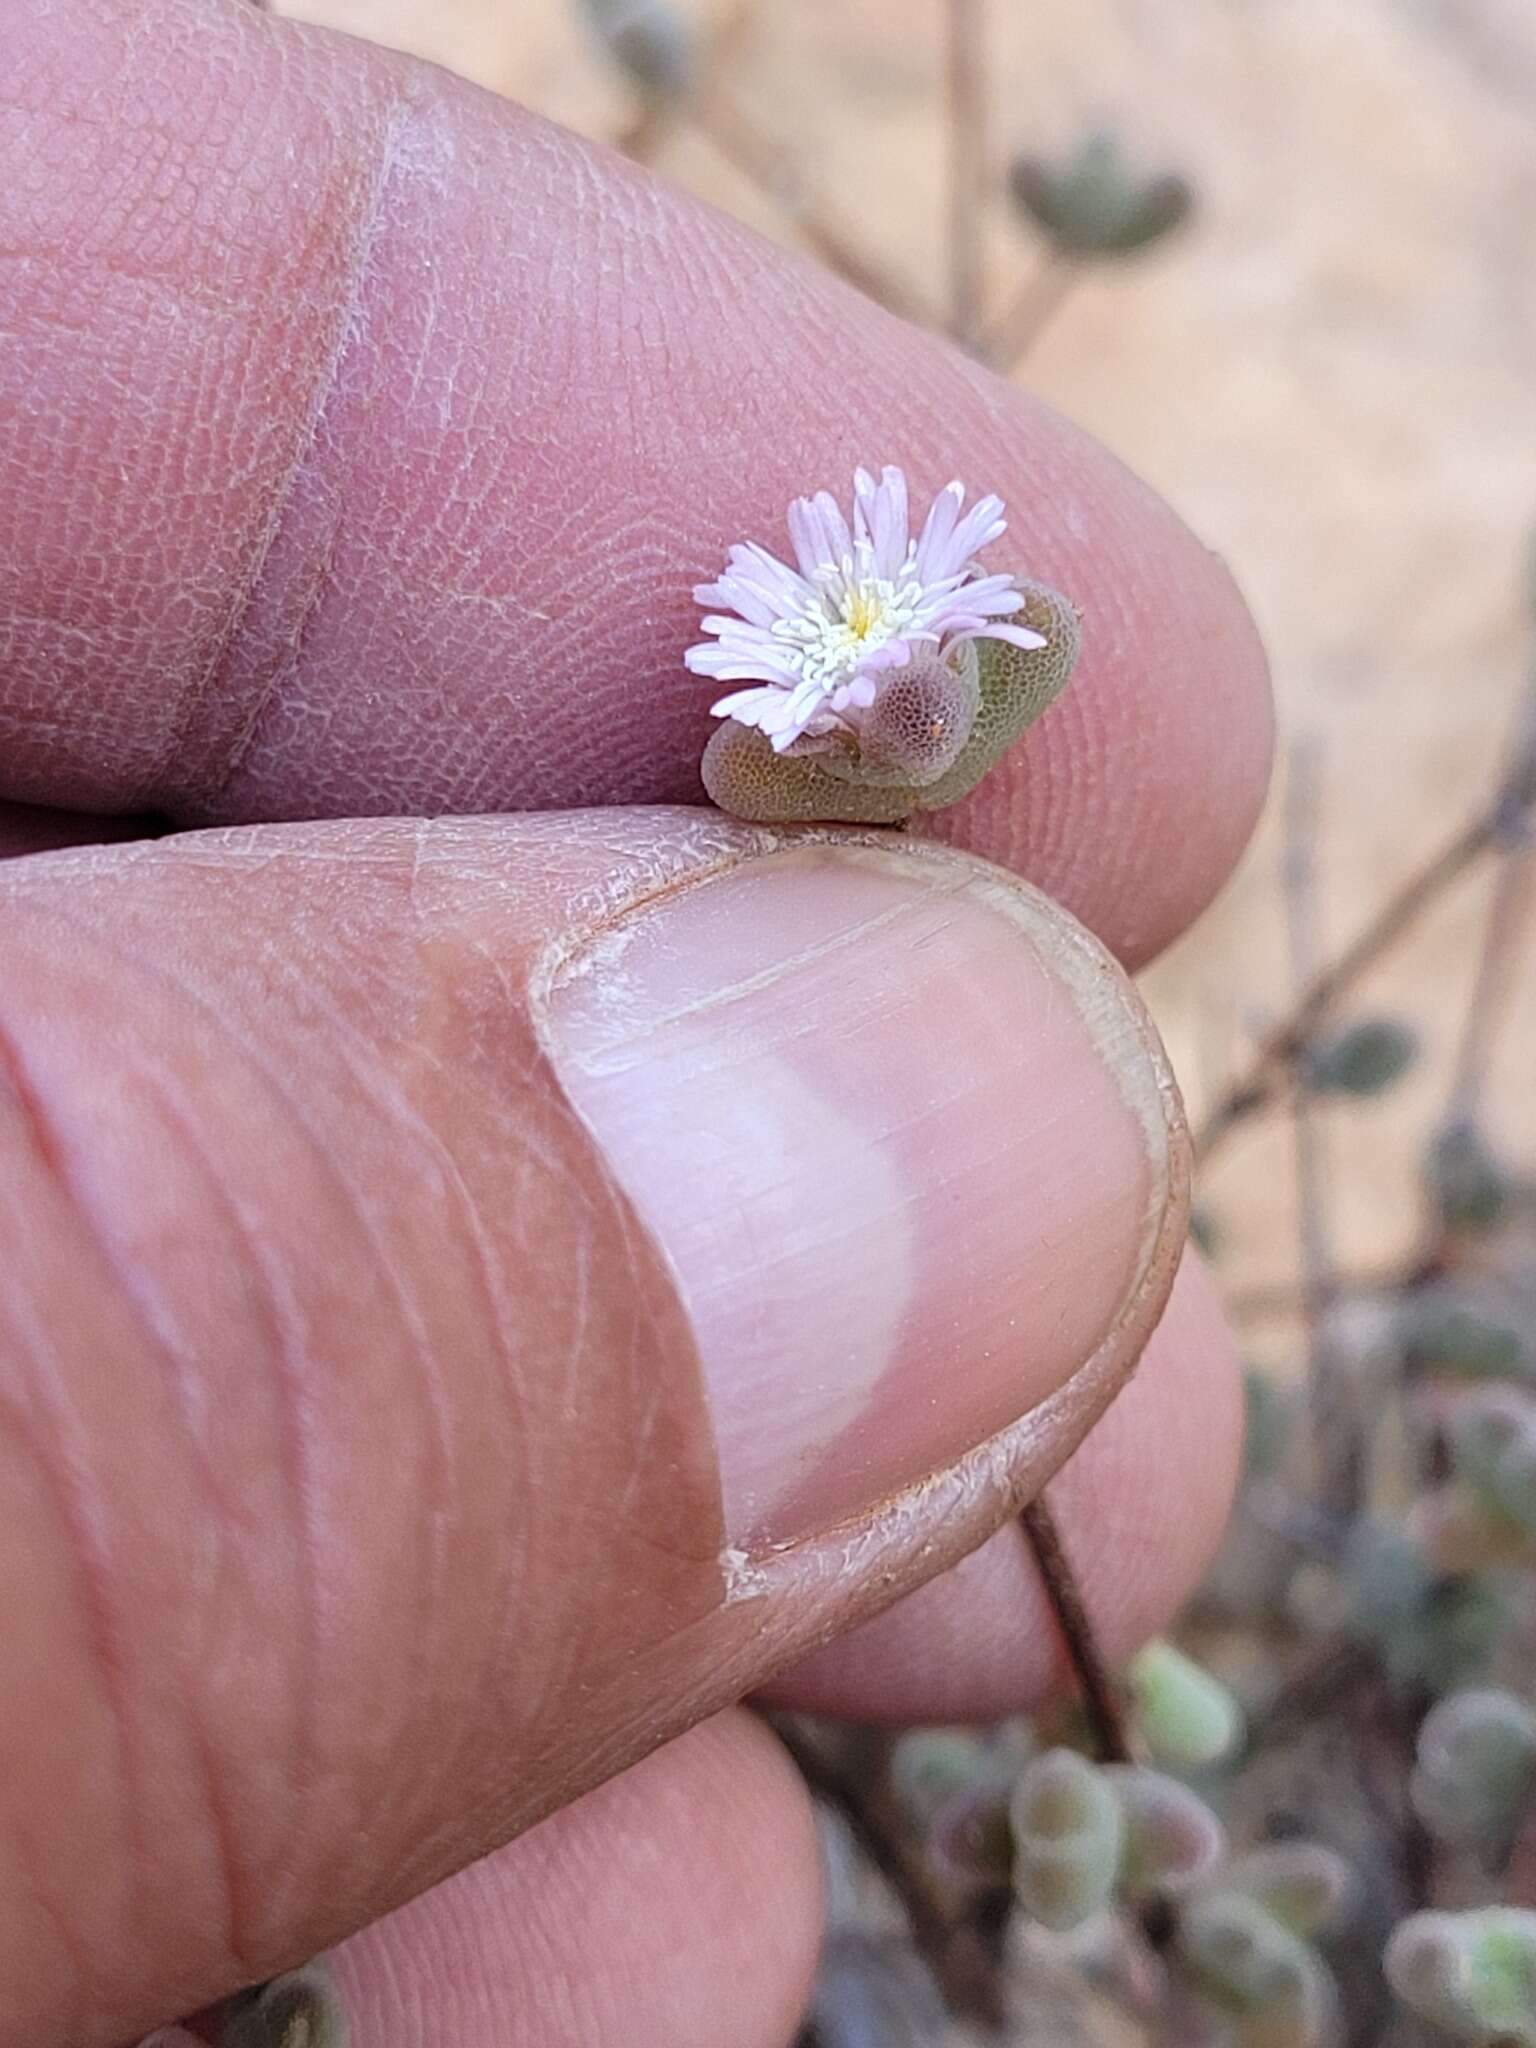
(806, 537)
(1016, 636)
(982, 525)
(933, 542)
(857, 694)
(881, 509)
(747, 707)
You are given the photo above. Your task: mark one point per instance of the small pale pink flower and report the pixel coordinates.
(814, 640)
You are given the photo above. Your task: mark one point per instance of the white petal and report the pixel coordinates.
(1016, 636)
(807, 538)
(982, 525)
(933, 543)
(746, 706)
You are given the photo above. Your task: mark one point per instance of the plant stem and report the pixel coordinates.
(1258, 1086)
(1488, 1005)
(762, 162)
(773, 170)
(968, 168)
(857, 1785)
(1042, 295)
(1101, 1697)
(1336, 1447)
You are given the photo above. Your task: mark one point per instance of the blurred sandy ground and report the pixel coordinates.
(1332, 375)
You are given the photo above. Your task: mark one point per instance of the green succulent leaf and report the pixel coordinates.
(1472, 1973)
(1188, 1717)
(1475, 1768)
(1468, 1186)
(299, 2010)
(1068, 1833)
(649, 41)
(1362, 1060)
(1012, 687)
(1093, 204)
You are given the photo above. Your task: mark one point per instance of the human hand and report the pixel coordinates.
(481, 1298)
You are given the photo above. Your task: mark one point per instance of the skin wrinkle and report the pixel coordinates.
(422, 1146)
(278, 1322)
(60, 1456)
(87, 1540)
(281, 1318)
(130, 1284)
(309, 1604)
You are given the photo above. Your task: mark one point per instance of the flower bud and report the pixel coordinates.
(1188, 1717)
(1068, 1832)
(1475, 1769)
(1472, 1973)
(918, 726)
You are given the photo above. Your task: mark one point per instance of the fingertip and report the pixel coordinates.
(1142, 1505)
(678, 1906)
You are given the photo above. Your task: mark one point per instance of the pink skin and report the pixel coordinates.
(360, 440)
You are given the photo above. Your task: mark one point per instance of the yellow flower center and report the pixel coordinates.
(864, 613)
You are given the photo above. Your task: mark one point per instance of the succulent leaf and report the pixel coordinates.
(1068, 1832)
(1189, 1717)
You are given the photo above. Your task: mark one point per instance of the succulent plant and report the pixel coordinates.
(1188, 1717)
(1363, 1059)
(948, 722)
(1093, 203)
(1472, 1973)
(1475, 1769)
(1068, 1833)
(649, 40)
(298, 2010)
(1171, 1841)
(1250, 1964)
(1306, 1885)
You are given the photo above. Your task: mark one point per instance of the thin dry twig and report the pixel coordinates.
(1509, 909)
(1040, 298)
(773, 170)
(1286, 1042)
(856, 1783)
(1102, 1701)
(752, 152)
(660, 118)
(966, 107)
(1335, 1422)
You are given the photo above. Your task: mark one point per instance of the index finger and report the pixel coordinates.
(363, 438)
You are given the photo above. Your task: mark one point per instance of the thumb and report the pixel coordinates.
(482, 1294)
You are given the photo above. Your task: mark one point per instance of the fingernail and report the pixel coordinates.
(902, 1132)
